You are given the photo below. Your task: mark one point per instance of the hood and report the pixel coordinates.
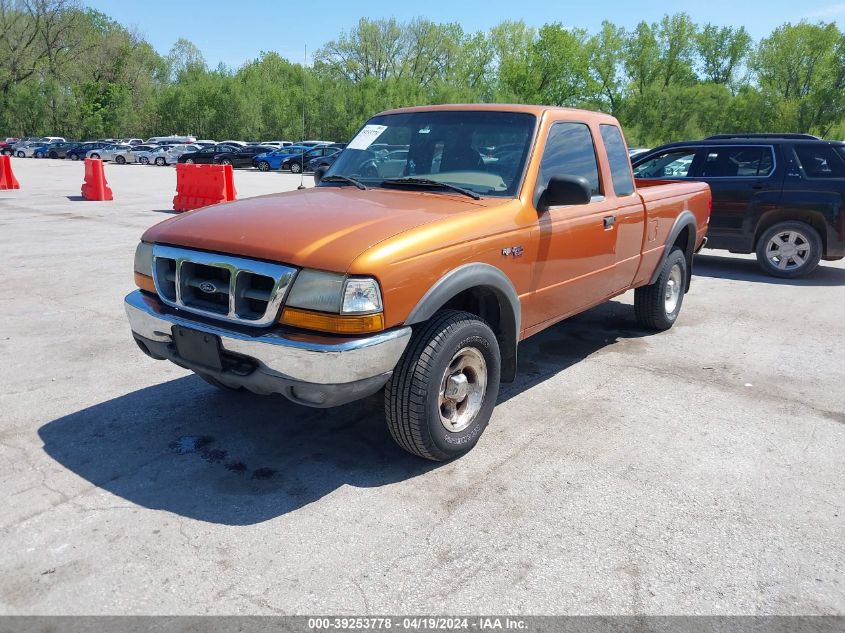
(324, 227)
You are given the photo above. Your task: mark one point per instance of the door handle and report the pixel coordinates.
(758, 185)
(609, 221)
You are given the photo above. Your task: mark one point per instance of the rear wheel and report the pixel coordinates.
(120, 160)
(74, 156)
(789, 249)
(442, 393)
(226, 161)
(21, 155)
(144, 160)
(264, 166)
(189, 161)
(657, 305)
(160, 161)
(295, 168)
(95, 155)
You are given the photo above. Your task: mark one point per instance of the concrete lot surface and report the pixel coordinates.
(696, 471)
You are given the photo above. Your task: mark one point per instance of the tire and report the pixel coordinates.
(21, 155)
(74, 156)
(38, 155)
(120, 160)
(295, 168)
(211, 380)
(225, 161)
(263, 166)
(54, 155)
(189, 161)
(657, 305)
(420, 416)
(160, 161)
(95, 155)
(144, 160)
(800, 243)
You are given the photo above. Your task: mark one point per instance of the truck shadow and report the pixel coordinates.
(721, 267)
(239, 459)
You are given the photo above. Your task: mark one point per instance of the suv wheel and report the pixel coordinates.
(442, 393)
(657, 305)
(789, 249)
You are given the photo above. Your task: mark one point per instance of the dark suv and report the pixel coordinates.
(781, 196)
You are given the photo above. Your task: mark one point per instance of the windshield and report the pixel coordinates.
(484, 152)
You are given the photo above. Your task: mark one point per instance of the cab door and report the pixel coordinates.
(575, 249)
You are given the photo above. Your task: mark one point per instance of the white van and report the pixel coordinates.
(158, 140)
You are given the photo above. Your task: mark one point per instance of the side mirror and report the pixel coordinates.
(319, 173)
(565, 190)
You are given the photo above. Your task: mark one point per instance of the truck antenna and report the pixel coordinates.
(302, 147)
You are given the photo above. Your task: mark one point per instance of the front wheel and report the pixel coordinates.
(226, 161)
(657, 305)
(74, 157)
(295, 168)
(144, 160)
(21, 155)
(120, 160)
(94, 156)
(263, 166)
(160, 161)
(189, 161)
(789, 249)
(442, 393)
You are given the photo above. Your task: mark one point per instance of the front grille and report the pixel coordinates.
(221, 286)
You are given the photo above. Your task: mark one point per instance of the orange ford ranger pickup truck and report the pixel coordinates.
(439, 239)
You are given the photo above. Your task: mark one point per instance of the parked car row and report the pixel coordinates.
(167, 150)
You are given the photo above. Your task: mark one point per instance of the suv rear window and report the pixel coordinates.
(738, 162)
(821, 161)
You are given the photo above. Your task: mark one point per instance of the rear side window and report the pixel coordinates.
(617, 156)
(820, 161)
(669, 164)
(738, 162)
(570, 152)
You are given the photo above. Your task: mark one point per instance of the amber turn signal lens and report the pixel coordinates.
(337, 324)
(145, 283)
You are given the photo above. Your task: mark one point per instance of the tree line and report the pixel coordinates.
(72, 71)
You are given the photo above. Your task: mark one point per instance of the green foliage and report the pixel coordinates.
(71, 71)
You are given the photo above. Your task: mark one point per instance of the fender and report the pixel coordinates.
(477, 275)
(685, 219)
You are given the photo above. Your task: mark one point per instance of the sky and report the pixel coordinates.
(236, 32)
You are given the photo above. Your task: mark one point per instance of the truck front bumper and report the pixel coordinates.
(311, 369)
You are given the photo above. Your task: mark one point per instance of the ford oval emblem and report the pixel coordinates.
(208, 287)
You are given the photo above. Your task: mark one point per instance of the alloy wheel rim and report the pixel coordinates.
(673, 289)
(788, 250)
(462, 389)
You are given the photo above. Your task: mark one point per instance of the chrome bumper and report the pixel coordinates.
(314, 369)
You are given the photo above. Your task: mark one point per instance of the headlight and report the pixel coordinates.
(316, 290)
(361, 296)
(144, 259)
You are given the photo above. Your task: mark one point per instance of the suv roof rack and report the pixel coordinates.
(808, 137)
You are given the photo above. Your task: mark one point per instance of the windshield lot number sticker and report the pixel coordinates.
(366, 137)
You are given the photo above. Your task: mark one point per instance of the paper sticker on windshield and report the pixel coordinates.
(366, 136)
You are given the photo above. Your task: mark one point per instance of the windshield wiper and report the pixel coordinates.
(342, 178)
(430, 182)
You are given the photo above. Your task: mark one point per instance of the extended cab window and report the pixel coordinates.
(738, 162)
(569, 152)
(670, 164)
(617, 156)
(820, 161)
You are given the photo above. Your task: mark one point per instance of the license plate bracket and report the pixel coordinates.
(200, 348)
